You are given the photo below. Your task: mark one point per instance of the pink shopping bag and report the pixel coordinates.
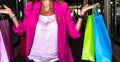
(3, 52)
(5, 42)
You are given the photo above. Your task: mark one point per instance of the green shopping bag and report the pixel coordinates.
(88, 46)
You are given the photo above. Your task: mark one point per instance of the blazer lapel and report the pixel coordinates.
(32, 25)
(35, 17)
(61, 28)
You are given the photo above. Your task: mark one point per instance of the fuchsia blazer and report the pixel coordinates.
(65, 25)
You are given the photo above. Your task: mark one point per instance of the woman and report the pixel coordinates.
(45, 25)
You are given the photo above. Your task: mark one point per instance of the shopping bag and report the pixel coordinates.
(3, 52)
(102, 42)
(88, 46)
(5, 31)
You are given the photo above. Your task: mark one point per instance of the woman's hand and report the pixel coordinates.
(9, 11)
(84, 9)
(87, 7)
(6, 10)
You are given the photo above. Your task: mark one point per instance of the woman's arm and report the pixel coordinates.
(18, 27)
(83, 11)
(8, 11)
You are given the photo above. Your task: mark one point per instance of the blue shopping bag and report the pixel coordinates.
(102, 42)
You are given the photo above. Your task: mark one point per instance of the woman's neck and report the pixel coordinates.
(46, 3)
(47, 7)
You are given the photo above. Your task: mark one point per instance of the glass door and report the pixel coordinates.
(115, 20)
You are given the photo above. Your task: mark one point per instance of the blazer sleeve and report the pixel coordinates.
(21, 29)
(71, 26)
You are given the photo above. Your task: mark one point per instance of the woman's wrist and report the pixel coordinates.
(12, 15)
(81, 15)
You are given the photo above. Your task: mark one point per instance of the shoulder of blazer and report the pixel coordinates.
(29, 6)
(32, 7)
(63, 4)
(63, 7)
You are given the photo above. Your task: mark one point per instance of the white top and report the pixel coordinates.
(44, 48)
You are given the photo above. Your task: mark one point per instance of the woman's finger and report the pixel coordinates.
(6, 7)
(97, 4)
